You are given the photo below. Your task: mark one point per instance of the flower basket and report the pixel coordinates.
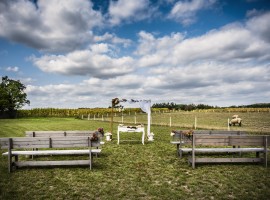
(108, 136)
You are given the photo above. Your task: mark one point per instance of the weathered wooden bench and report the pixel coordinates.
(223, 143)
(180, 138)
(65, 134)
(23, 146)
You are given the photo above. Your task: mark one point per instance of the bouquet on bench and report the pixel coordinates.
(185, 135)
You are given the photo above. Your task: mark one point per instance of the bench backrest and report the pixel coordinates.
(230, 140)
(220, 132)
(58, 133)
(48, 142)
(211, 140)
(213, 132)
(250, 140)
(182, 134)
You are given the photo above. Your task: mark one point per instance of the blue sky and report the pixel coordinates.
(82, 53)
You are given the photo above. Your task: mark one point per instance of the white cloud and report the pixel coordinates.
(185, 11)
(260, 26)
(111, 38)
(12, 69)
(209, 83)
(50, 25)
(226, 66)
(94, 63)
(123, 10)
(239, 43)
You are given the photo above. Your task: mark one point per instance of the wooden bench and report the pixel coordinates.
(180, 139)
(223, 143)
(48, 146)
(64, 134)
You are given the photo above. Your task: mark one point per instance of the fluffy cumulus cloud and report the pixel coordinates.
(49, 25)
(239, 43)
(228, 65)
(123, 10)
(185, 11)
(94, 62)
(112, 38)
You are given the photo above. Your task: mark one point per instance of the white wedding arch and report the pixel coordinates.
(145, 106)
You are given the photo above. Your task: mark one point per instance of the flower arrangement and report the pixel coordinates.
(183, 134)
(101, 131)
(188, 134)
(94, 137)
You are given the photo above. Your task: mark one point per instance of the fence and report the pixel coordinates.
(251, 122)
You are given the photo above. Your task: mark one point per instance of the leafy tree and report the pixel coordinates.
(12, 95)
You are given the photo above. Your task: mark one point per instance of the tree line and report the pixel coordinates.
(190, 107)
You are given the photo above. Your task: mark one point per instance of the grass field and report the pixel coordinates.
(258, 122)
(128, 171)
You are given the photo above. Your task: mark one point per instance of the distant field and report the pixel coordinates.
(252, 121)
(131, 170)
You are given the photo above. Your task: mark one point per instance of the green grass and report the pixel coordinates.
(128, 171)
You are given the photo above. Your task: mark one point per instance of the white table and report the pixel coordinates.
(131, 129)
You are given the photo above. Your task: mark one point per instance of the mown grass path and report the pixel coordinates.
(128, 171)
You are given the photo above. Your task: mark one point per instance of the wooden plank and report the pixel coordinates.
(250, 140)
(53, 152)
(30, 143)
(59, 133)
(47, 142)
(44, 133)
(65, 142)
(227, 160)
(62, 142)
(52, 163)
(222, 150)
(214, 140)
(214, 132)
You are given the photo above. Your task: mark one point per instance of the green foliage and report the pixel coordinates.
(186, 107)
(12, 95)
(190, 107)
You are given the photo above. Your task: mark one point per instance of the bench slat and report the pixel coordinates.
(52, 163)
(226, 160)
(247, 140)
(58, 133)
(222, 150)
(47, 142)
(54, 152)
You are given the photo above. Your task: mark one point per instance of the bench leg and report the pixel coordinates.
(9, 155)
(90, 158)
(180, 153)
(9, 163)
(177, 149)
